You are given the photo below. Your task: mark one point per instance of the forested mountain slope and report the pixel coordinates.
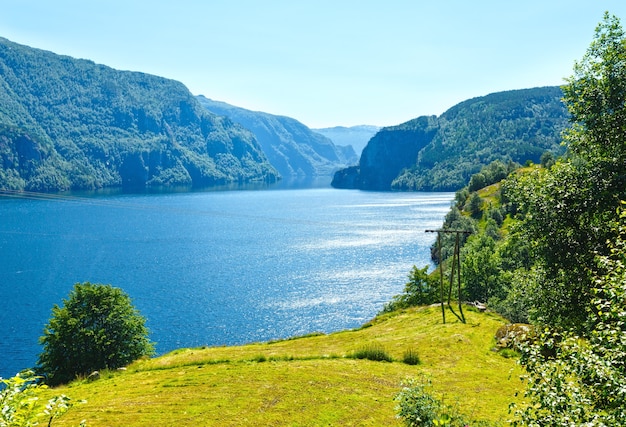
(69, 123)
(441, 153)
(292, 148)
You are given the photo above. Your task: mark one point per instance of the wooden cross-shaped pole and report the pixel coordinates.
(456, 265)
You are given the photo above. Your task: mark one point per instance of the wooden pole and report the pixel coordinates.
(443, 310)
(458, 274)
(455, 256)
(456, 265)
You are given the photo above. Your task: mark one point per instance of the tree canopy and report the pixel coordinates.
(565, 210)
(96, 328)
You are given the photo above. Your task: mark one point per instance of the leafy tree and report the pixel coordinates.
(580, 381)
(596, 95)
(454, 220)
(419, 290)
(480, 267)
(566, 208)
(477, 181)
(547, 159)
(97, 328)
(514, 302)
(563, 230)
(475, 204)
(494, 172)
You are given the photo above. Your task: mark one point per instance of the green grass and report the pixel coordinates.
(310, 380)
(373, 352)
(410, 357)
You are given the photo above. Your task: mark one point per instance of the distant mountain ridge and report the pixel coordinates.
(291, 147)
(356, 136)
(69, 123)
(432, 153)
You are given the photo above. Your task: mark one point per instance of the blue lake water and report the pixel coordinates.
(215, 267)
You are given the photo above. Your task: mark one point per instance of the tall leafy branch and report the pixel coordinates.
(565, 209)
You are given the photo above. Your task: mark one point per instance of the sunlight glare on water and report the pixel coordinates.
(213, 268)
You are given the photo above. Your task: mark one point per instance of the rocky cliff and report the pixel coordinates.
(442, 153)
(291, 147)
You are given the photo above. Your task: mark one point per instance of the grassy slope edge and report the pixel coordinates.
(308, 380)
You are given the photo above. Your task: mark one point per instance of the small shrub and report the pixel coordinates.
(373, 352)
(416, 406)
(411, 357)
(419, 408)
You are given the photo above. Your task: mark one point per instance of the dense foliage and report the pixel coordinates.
(574, 380)
(96, 328)
(421, 289)
(21, 403)
(442, 153)
(549, 248)
(291, 147)
(577, 369)
(418, 407)
(68, 124)
(565, 211)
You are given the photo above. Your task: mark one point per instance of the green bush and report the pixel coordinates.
(416, 406)
(411, 357)
(574, 380)
(419, 408)
(373, 352)
(97, 328)
(419, 290)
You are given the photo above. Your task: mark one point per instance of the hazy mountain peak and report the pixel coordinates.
(291, 147)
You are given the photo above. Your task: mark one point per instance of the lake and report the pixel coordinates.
(213, 267)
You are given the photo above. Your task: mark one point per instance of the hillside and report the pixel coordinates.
(308, 380)
(356, 136)
(69, 123)
(442, 153)
(291, 147)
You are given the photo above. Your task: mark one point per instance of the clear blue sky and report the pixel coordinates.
(323, 62)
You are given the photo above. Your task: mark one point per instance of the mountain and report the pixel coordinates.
(69, 123)
(391, 150)
(291, 147)
(432, 153)
(356, 136)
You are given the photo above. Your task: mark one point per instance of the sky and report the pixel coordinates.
(323, 62)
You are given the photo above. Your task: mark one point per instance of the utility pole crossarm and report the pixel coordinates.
(449, 231)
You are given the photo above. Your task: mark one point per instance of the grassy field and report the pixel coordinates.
(308, 381)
